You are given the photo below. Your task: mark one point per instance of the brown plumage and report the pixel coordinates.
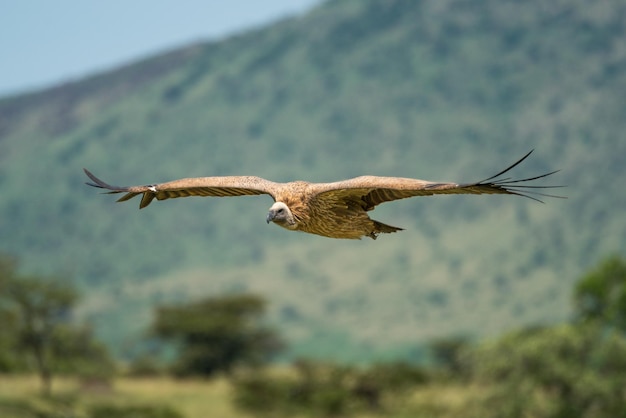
(335, 210)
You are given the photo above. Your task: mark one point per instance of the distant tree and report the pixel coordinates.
(217, 334)
(600, 295)
(8, 360)
(38, 314)
(564, 371)
(571, 370)
(75, 351)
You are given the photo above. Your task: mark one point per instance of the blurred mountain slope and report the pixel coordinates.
(428, 89)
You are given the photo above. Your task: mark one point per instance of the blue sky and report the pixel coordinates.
(43, 43)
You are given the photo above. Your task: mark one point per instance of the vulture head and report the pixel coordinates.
(280, 214)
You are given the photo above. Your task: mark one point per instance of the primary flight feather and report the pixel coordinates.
(335, 210)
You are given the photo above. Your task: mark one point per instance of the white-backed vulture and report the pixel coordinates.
(335, 210)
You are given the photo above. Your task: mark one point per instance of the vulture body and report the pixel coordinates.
(334, 210)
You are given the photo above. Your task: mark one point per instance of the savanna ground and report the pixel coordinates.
(193, 398)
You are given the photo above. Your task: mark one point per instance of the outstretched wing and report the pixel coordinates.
(195, 186)
(372, 190)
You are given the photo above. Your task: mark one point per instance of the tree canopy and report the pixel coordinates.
(216, 334)
(600, 295)
(38, 330)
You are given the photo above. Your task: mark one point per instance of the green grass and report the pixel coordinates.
(193, 398)
(198, 398)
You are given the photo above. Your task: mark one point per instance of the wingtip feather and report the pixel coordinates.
(514, 187)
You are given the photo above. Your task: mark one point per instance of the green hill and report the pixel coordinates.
(435, 90)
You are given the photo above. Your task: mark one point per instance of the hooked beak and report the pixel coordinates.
(270, 216)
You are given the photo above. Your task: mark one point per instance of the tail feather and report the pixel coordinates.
(380, 227)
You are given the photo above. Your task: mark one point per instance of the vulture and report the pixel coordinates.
(334, 210)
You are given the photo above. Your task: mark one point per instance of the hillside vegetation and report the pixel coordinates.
(435, 90)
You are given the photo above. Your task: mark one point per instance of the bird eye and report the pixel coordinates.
(281, 210)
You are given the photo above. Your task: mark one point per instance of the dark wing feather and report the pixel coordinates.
(195, 186)
(373, 190)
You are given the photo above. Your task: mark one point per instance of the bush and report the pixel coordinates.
(563, 371)
(324, 389)
(447, 354)
(133, 411)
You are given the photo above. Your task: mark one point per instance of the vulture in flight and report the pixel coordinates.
(335, 210)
